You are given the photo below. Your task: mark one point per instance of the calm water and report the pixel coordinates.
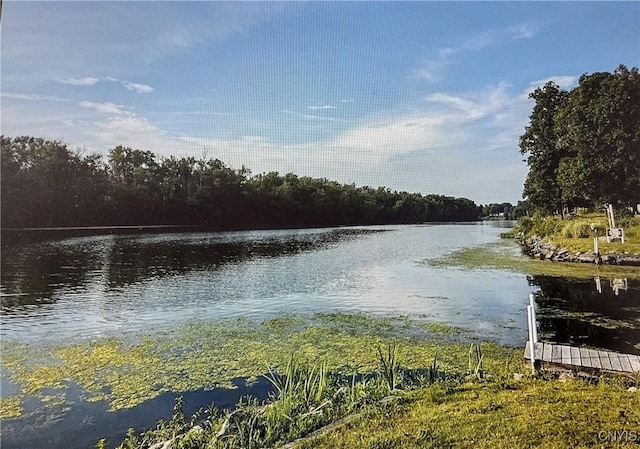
(83, 288)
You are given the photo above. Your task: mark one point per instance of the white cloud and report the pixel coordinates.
(138, 88)
(133, 131)
(386, 137)
(564, 81)
(317, 117)
(522, 31)
(106, 108)
(474, 43)
(319, 107)
(476, 105)
(88, 81)
(32, 97)
(309, 116)
(346, 100)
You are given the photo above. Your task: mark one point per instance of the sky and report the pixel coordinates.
(426, 97)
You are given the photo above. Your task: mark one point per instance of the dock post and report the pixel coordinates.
(532, 303)
(533, 332)
(532, 352)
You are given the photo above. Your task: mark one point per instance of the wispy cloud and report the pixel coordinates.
(92, 81)
(319, 107)
(132, 130)
(88, 81)
(106, 108)
(32, 97)
(139, 88)
(432, 69)
(522, 31)
(564, 81)
(474, 43)
(309, 116)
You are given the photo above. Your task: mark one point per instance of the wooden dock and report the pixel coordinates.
(572, 357)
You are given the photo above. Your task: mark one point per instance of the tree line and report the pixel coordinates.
(46, 184)
(504, 210)
(583, 145)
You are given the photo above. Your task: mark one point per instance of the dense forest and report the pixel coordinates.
(583, 145)
(46, 184)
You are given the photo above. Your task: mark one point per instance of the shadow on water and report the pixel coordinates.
(32, 275)
(600, 313)
(80, 424)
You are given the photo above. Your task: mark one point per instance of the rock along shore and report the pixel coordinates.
(539, 248)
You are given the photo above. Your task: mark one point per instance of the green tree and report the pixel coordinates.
(541, 187)
(599, 133)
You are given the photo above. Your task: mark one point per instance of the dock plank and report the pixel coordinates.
(546, 352)
(604, 360)
(538, 350)
(585, 357)
(556, 354)
(635, 363)
(595, 359)
(616, 365)
(575, 356)
(626, 364)
(527, 351)
(566, 354)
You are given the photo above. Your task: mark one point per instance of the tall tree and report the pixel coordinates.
(541, 187)
(599, 131)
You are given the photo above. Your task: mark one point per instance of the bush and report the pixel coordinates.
(546, 226)
(581, 230)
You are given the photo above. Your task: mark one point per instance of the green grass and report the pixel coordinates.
(451, 409)
(323, 367)
(506, 255)
(576, 234)
(530, 413)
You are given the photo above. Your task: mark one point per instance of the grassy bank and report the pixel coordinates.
(507, 255)
(489, 406)
(576, 234)
(391, 382)
(498, 413)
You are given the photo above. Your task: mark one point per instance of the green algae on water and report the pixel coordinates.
(210, 354)
(506, 255)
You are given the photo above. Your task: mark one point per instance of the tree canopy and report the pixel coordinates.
(45, 184)
(583, 145)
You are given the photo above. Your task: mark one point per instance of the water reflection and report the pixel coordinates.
(35, 275)
(601, 313)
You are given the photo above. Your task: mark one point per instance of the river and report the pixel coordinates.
(80, 289)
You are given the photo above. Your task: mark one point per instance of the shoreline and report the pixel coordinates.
(537, 247)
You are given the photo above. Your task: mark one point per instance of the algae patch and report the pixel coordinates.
(506, 255)
(212, 354)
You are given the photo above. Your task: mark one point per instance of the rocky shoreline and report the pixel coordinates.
(539, 248)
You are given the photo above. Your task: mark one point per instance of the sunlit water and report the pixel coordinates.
(80, 288)
(96, 286)
(76, 289)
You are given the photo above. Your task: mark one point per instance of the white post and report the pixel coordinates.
(532, 352)
(612, 220)
(533, 318)
(595, 245)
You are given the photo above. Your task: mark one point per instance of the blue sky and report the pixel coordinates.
(423, 96)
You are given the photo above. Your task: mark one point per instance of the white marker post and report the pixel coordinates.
(533, 333)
